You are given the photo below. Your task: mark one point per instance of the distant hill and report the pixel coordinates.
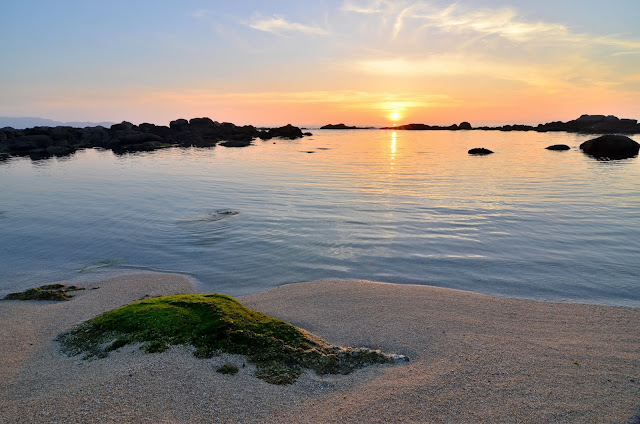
(20, 123)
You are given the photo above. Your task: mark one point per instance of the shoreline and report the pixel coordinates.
(474, 358)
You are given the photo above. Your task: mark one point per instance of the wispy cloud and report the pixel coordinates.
(503, 22)
(278, 25)
(457, 65)
(366, 6)
(200, 13)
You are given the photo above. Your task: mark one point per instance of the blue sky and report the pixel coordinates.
(316, 62)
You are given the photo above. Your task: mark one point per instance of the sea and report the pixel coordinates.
(406, 207)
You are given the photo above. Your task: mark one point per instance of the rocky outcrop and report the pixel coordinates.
(558, 147)
(594, 124)
(42, 142)
(479, 151)
(342, 127)
(611, 147)
(422, 127)
(589, 124)
(288, 131)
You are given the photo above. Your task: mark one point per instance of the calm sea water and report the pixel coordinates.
(403, 207)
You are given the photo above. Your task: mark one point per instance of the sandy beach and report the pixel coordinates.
(474, 358)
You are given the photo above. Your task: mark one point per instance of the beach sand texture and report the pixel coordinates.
(474, 359)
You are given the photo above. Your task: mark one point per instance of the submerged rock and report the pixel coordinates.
(611, 147)
(57, 292)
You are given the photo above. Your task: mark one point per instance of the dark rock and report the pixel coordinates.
(159, 130)
(43, 142)
(558, 147)
(410, 127)
(480, 151)
(307, 134)
(94, 137)
(123, 126)
(611, 147)
(288, 131)
(179, 125)
(464, 126)
(236, 143)
(338, 127)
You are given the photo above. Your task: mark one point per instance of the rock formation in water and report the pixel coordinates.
(590, 124)
(558, 147)
(42, 142)
(479, 151)
(342, 127)
(611, 147)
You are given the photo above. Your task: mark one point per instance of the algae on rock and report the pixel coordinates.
(213, 324)
(47, 292)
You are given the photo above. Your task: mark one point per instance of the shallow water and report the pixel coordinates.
(405, 207)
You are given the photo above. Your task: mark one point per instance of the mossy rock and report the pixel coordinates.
(213, 324)
(57, 292)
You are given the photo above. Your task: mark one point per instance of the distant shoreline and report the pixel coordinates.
(43, 142)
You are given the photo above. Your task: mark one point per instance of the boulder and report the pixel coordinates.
(559, 147)
(179, 125)
(288, 131)
(465, 126)
(611, 147)
(236, 143)
(123, 126)
(479, 151)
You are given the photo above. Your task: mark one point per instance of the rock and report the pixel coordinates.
(410, 127)
(236, 143)
(307, 134)
(465, 126)
(589, 119)
(288, 131)
(179, 125)
(479, 151)
(558, 147)
(337, 127)
(123, 126)
(611, 147)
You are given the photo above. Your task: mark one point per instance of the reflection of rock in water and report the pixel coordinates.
(210, 216)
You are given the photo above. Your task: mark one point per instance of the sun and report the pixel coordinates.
(394, 116)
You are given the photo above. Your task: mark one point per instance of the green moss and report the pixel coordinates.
(47, 292)
(214, 324)
(228, 369)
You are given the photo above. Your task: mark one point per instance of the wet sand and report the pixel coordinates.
(474, 358)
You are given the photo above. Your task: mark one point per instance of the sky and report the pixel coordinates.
(360, 62)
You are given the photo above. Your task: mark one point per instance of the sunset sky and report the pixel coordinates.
(369, 62)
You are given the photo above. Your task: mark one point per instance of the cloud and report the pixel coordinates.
(279, 25)
(366, 6)
(503, 22)
(200, 13)
(455, 65)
